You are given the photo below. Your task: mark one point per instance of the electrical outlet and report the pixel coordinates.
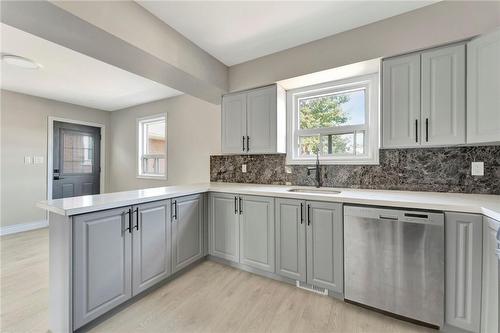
(244, 168)
(27, 159)
(288, 169)
(477, 169)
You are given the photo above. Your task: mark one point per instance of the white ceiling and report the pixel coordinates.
(238, 31)
(72, 77)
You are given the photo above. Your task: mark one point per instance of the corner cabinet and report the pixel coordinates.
(253, 121)
(423, 98)
(464, 239)
(187, 231)
(309, 243)
(483, 89)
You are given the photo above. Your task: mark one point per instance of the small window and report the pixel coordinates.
(338, 121)
(152, 147)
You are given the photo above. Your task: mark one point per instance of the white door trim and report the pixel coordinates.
(50, 150)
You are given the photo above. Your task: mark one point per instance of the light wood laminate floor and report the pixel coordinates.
(209, 298)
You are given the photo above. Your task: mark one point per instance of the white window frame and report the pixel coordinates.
(141, 146)
(371, 127)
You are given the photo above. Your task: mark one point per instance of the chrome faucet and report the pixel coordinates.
(317, 168)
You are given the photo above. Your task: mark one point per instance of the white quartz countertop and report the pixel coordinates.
(488, 205)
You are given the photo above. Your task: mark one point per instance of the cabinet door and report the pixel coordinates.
(489, 313)
(401, 101)
(443, 96)
(257, 232)
(261, 120)
(325, 262)
(291, 239)
(224, 231)
(483, 89)
(187, 230)
(151, 245)
(101, 263)
(233, 127)
(464, 240)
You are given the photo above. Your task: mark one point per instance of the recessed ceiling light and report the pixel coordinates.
(19, 61)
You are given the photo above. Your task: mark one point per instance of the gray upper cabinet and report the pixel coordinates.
(464, 239)
(151, 244)
(223, 226)
(423, 98)
(325, 247)
(483, 89)
(101, 263)
(234, 124)
(401, 101)
(291, 239)
(443, 96)
(257, 232)
(187, 230)
(253, 121)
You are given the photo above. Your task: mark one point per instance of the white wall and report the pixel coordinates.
(432, 25)
(193, 133)
(24, 133)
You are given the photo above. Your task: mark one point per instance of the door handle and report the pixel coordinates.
(235, 205)
(241, 205)
(301, 213)
(426, 129)
(308, 214)
(136, 211)
(174, 210)
(129, 213)
(416, 130)
(243, 149)
(248, 143)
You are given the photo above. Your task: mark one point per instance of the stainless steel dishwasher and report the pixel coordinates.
(394, 261)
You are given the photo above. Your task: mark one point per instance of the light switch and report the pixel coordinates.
(37, 159)
(477, 169)
(244, 168)
(27, 159)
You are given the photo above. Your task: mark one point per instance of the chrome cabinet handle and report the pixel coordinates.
(235, 205)
(243, 149)
(129, 213)
(248, 143)
(416, 130)
(136, 211)
(427, 129)
(174, 210)
(241, 205)
(392, 218)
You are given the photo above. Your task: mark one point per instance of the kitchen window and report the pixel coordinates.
(152, 147)
(337, 120)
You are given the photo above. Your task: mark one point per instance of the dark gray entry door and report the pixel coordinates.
(77, 156)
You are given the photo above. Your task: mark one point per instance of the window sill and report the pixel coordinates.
(157, 177)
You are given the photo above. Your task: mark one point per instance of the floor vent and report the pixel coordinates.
(310, 287)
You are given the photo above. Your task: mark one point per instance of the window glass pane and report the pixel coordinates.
(338, 144)
(308, 145)
(78, 153)
(154, 133)
(332, 110)
(360, 144)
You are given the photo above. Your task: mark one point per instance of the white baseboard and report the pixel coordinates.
(15, 228)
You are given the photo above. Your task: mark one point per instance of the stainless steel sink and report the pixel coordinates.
(314, 190)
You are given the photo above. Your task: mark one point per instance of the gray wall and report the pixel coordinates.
(432, 25)
(24, 120)
(193, 132)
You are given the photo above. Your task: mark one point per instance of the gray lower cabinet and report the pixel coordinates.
(464, 239)
(325, 247)
(291, 239)
(187, 230)
(490, 302)
(151, 255)
(309, 243)
(223, 226)
(257, 232)
(102, 263)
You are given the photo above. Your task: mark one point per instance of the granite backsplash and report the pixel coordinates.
(421, 169)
